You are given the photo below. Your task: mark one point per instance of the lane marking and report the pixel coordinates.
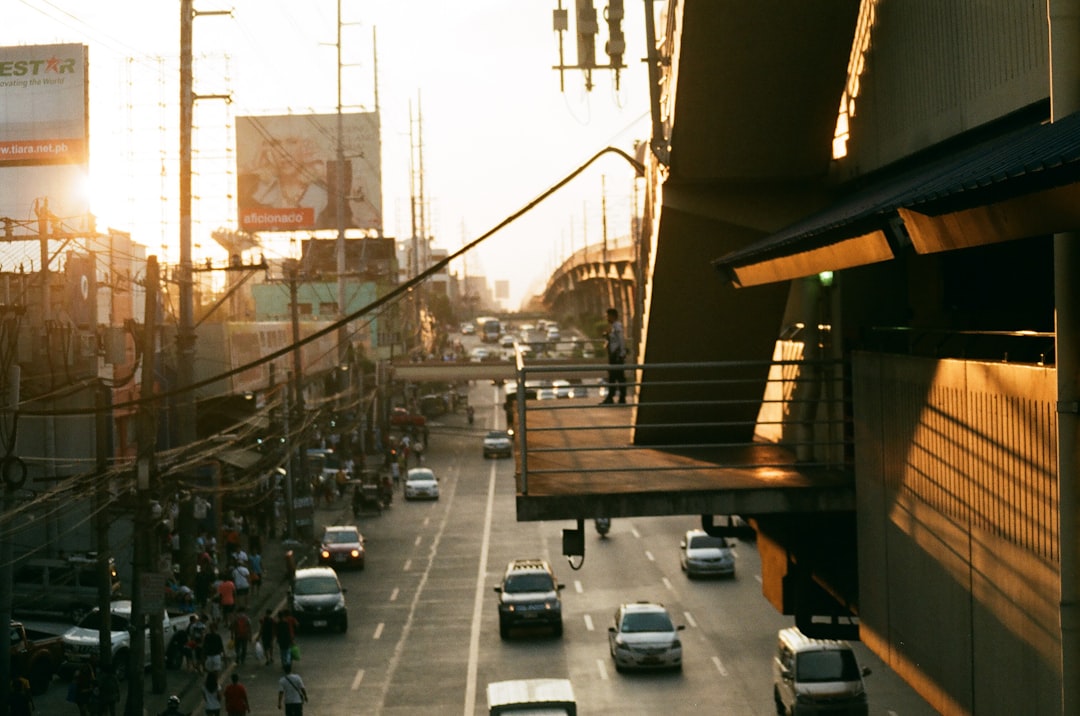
(378, 630)
(758, 578)
(588, 623)
(394, 594)
(427, 521)
(633, 531)
(357, 679)
(668, 584)
(577, 586)
(690, 620)
(479, 599)
(416, 542)
(719, 666)
(408, 565)
(650, 556)
(601, 666)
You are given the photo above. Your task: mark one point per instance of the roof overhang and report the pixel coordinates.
(1020, 184)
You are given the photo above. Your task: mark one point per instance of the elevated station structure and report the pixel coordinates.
(872, 191)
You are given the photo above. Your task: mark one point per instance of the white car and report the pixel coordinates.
(701, 554)
(497, 443)
(643, 637)
(421, 484)
(480, 353)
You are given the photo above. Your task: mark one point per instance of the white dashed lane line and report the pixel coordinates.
(378, 630)
(357, 679)
(588, 623)
(719, 666)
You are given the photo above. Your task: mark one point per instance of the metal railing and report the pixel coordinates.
(703, 416)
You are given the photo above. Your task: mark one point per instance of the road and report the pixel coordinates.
(423, 634)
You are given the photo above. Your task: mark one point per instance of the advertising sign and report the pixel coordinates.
(43, 135)
(287, 174)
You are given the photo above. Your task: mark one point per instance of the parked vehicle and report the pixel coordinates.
(65, 588)
(317, 599)
(703, 555)
(549, 697)
(402, 418)
(644, 637)
(816, 676)
(529, 596)
(81, 641)
(35, 656)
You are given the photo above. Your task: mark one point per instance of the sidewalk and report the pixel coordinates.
(187, 684)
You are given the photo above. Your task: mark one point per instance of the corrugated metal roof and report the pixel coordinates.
(1025, 161)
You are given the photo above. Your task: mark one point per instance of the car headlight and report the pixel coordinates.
(355, 554)
(325, 554)
(297, 607)
(340, 606)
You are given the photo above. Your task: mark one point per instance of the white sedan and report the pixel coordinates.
(421, 484)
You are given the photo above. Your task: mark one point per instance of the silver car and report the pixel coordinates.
(703, 555)
(644, 637)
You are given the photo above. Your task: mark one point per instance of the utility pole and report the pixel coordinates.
(144, 532)
(13, 379)
(103, 445)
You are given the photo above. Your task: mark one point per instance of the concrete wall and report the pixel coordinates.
(957, 528)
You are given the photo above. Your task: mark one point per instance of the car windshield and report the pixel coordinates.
(316, 585)
(496, 435)
(646, 621)
(519, 583)
(341, 537)
(92, 621)
(705, 541)
(834, 665)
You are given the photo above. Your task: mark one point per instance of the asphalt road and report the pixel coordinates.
(423, 634)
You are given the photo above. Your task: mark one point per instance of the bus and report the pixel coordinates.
(490, 329)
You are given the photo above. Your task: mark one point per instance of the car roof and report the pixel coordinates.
(643, 607)
(316, 572)
(342, 528)
(528, 565)
(799, 642)
(420, 472)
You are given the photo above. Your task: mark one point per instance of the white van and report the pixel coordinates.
(816, 676)
(536, 697)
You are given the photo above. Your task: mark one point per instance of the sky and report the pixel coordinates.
(466, 86)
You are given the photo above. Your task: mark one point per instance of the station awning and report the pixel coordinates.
(1022, 183)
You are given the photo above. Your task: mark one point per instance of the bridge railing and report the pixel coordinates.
(704, 416)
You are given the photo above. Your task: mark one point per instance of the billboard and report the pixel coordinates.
(44, 136)
(287, 172)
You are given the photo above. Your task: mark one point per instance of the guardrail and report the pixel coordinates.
(701, 417)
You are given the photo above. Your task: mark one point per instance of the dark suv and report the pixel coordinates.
(529, 596)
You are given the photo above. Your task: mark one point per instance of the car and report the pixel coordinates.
(529, 596)
(421, 483)
(479, 353)
(468, 329)
(701, 554)
(553, 334)
(817, 676)
(563, 388)
(507, 340)
(497, 443)
(342, 545)
(644, 637)
(317, 599)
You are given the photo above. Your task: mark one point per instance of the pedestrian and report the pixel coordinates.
(236, 698)
(241, 577)
(266, 636)
(211, 693)
(213, 651)
(172, 708)
(85, 681)
(291, 692)
(241, 634)
(255, 565)
(616, 352)
(20, 700)
(108, 690)
(285, 631)
(226, 592)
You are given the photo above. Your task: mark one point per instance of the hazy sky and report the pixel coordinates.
(496, 129)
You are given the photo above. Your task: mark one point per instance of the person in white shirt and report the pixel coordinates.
(291, 692)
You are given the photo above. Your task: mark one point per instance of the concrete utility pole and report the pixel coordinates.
(144, 529)
(13, 379)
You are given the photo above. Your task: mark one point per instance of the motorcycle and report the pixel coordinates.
(603, 525)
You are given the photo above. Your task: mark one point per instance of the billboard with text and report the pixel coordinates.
(287, 172)
(44, 136)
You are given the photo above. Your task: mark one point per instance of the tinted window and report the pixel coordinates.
(519, 583)
(341, 537)
(646, 621)
(93, 621)
(316, 585)
(703, 541)
(836, 665)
